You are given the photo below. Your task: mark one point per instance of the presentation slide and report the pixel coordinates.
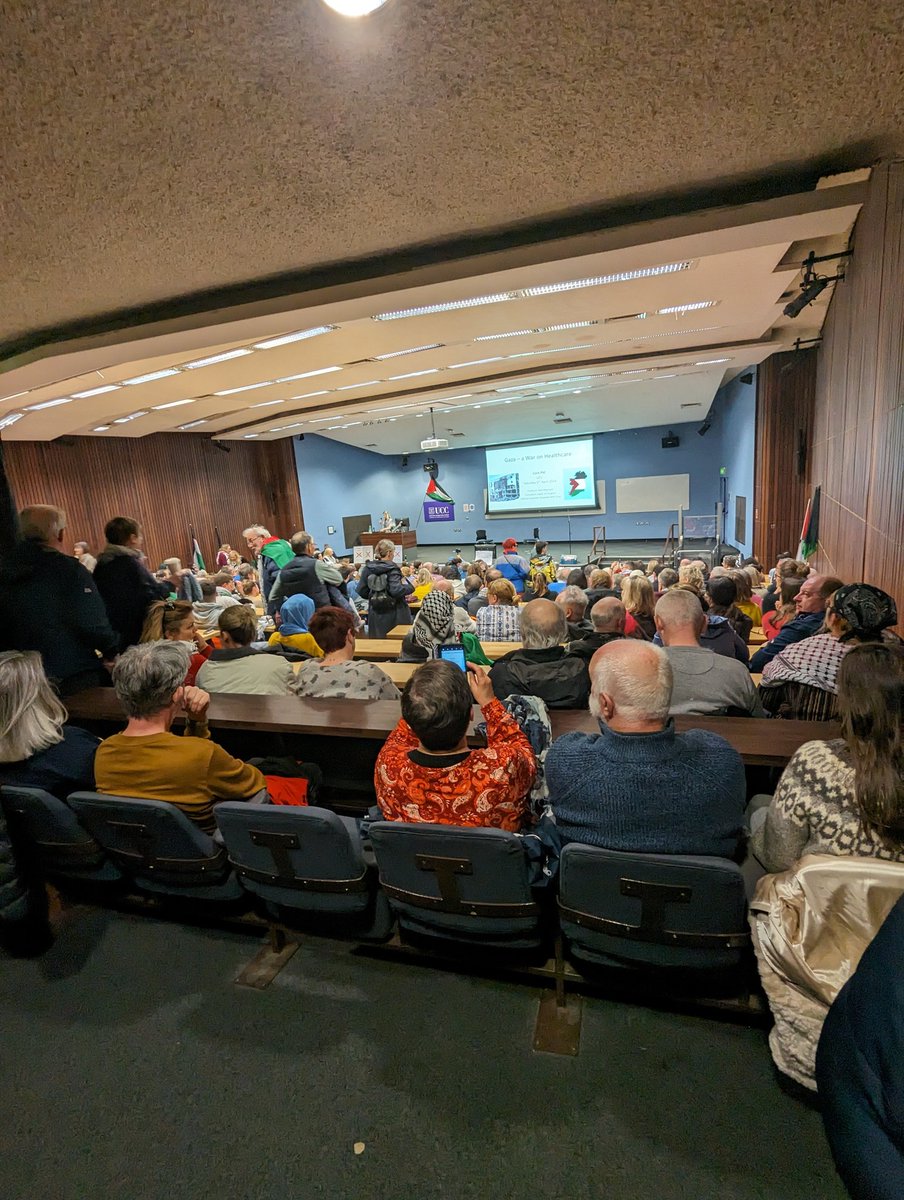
(541, 475)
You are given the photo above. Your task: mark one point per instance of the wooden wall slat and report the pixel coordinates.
(165, 481)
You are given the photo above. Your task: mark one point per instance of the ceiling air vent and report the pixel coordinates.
(561, 419)
(638, 316)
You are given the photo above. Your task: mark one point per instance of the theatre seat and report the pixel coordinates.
(308, 866)
(652, 910)
(157, 847)
(462, 885)
(53, 840)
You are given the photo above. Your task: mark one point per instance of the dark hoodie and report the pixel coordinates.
(719, 637)
(128, 590)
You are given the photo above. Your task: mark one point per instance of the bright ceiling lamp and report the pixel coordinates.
(216, 358)
(49, 404)
(354, 8)
(300, 336)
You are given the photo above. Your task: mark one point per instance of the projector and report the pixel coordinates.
(435, 443)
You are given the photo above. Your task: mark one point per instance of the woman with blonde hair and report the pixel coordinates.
(693, 577)
(638, 599)
(174, 621)
(500, 619)
(423, 583)
(37, 747)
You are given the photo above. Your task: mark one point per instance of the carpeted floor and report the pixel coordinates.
(134, 1069)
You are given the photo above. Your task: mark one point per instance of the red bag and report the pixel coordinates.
(289, 781)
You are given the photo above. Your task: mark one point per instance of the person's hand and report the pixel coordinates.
(195, 701)
(200, 640)
(479, 681)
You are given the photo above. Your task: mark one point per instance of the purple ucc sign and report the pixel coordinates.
(436, 511)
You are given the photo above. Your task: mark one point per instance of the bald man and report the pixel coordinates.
(607, 618)
(541, 667)
(637, 785)
(810, 603)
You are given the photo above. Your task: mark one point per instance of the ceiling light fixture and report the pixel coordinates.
(11, 418)
(546, 289)
(476, 362)
(649, 337)
(215, 358)
(308, 374)
(447, 306)
(354, 8)
(248, 436)
(49, 404)
(708, 362)
(350, 387)
(309, 395)
(413, 374)
(13, 396)
(150, 377)
(300, 336)
(172, 404)
(685, 308)
(101, 428)
(248, 387)
(410, 350)
(98, 391)
(266, 403)
(142, 412)
(192, 424)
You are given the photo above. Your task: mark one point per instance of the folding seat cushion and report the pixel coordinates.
(52, 838)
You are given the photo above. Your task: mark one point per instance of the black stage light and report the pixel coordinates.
(808, 293)
(705, 427)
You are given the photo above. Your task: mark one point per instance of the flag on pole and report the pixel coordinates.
(809, 534)
(436, 493)
(197, 558)
(218, 541)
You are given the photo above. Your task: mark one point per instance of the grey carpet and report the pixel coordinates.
(134, 1069)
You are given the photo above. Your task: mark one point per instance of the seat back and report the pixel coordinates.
(458, 883)
(50, 836)
(652, 910)
(305, 859)
(157, 845)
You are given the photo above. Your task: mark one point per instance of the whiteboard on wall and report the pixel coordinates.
(652, 493)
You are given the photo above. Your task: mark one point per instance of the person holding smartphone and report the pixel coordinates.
(427, 772)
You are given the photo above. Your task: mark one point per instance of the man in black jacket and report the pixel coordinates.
(127, 586)
(49, 603)
(542, 668)
(305, 575)
(608, 620)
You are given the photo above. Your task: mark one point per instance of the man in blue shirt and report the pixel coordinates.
(810, 603)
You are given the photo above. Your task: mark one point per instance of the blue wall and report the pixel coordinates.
(733, 417)
(337, 480)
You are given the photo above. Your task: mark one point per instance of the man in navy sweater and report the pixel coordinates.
(637, 785)
(810, 603)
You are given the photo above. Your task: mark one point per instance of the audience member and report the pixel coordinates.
(239, 668)
(433, 626)
(126, 585)
(703, 682)
(480, 600)
(537, 589)
(717, 635)
(50, 603)
(600, 585)
(667, 578)
(85, 557)
(174, 621)
(786, 568)
(222, 556)
(472, 588)
(810, 603)
(541, 667)
(560, 581)
(463, 623)
(426, 771)
(337, 676)
(250, 593)
(292, 633)
(270, 555)
(37, 748)
(845, 796)
(382, 586)
(211, 605)
(784, 610)
(607, 618)
(692, 577)
(745, 602)
(573, 602)
(150, 762)
(542, 563)
(722, 592)
(637, 597)
(637, 785)
(855, 614)
(500, 620)
(512, 566)
(303, 573)
(423, 583)
(182, 582)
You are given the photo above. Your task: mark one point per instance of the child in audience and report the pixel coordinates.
(174, 620)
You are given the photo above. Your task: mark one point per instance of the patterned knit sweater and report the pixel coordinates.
(657, 793)
(813, 812)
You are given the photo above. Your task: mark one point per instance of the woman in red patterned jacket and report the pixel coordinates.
(426, 771)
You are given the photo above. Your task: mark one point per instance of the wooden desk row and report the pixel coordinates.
(381, 649)
(760, 742)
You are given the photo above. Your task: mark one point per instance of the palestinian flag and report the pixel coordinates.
(197, 558)
(809, 534)
(435, 492)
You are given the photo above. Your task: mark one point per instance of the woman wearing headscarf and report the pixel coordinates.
(292, 633)
(856, 614)
(433, 626)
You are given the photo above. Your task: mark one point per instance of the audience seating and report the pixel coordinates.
(459, 885)
(652, 910)
(49, 833)
(308, 867)
(158, 848)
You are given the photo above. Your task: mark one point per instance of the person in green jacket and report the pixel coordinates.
(270, 554)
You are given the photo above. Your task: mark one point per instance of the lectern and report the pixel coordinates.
(403, 541)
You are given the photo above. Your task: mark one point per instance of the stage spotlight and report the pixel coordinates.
(808, 293)
(224, 446)
(705, 427)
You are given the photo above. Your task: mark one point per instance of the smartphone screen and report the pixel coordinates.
(452, 654)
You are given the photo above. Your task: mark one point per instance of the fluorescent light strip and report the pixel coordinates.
(546, 289)
(192, 424)
(478, 362)
(309, 395)
(708, 362)
(648, 337)
(447, 306)
(215, 358)
(685, 308)
(300, 336)
(491, 337)
(100, 428)
(172, 404)
(308, 374)
(150, 377)
(248, 436)
(410, 350)
(98, 391)
(413, 374)
(13, 396)
(49, 404)
(267, 403)
(11, 418)
(142, 412)
(249, 387)
(350, 387)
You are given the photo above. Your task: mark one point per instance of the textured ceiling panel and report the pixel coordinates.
(154, 150)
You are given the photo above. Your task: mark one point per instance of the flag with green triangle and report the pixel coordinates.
(809, 534)
(436, 493)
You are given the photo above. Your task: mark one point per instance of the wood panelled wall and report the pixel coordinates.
(166, 481)
(858, 441)
(786, 385)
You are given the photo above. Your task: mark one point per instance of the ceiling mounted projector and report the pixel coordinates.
(434, 443)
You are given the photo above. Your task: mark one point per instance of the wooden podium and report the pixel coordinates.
(403, 542)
